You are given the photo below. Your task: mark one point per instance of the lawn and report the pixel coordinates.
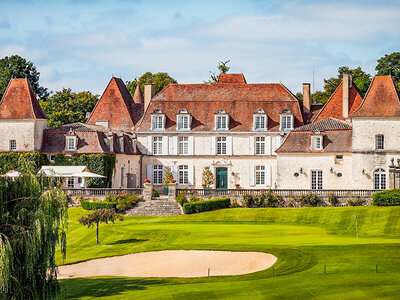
(305, 240)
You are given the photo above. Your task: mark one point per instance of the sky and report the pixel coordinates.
(80, 44)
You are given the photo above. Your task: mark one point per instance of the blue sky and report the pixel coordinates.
(81, 44)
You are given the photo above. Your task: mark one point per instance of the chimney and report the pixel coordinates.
(148, 94)
(346, 88)
(306, 97)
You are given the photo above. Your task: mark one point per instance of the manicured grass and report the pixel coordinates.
(303, 239)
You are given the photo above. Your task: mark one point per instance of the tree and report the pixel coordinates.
(390, 65)
(65, 107)
(208, 176)
(159, 80)
(167, 176)
(100, 216)
(17, 67)
(223, 69)
(33, 216)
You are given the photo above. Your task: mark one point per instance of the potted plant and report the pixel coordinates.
(172, 181)
(167, 179)
(147, 180)
(208, 179)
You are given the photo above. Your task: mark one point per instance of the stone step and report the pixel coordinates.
(159, 207)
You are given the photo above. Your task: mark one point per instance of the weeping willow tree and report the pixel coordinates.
(33, 216)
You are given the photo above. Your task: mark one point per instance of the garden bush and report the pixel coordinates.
(355, 202)
(93, 205)
(181, 199)
(123, 201)
(193, 198)
(154, 193)
(332, 199)
(310, 200)
(386, 198)
(206, 205)
(268, 199)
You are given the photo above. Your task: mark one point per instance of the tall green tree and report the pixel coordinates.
(390, 65)
(65, 107)
(17, 67)
(159, 80)
(222, 68)
(33, 217)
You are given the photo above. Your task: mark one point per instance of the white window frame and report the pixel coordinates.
(70, 143)
(13, 145)
(283, 121)
(217, 121)
(255, 123)
(379, 142)
(380, 178)
(222, 145)
(158, 122)
(183, 145)
(259, 145)
(158, 174)
(260, 175)
(316, 179)
(157, 145)
(182, 125)
(183, 174)
(316, 142)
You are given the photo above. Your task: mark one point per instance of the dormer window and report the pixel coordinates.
(259, 120)
(183, 120)
(157, 120)
(70, 141)
(286, 120)
(316, 141)
(221, 120)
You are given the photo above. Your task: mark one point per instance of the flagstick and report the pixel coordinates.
(357, 229)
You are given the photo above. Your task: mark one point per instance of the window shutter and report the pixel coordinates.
(251, 145)
(277, 142)
(268, 175)
(268, 145)
(229, 145)
(251, 175)
(150, 172)
(174, 145)
(149, 145)
(212, 142)
(191, 145)
(191, 175)
(174, 169)
(165, 145)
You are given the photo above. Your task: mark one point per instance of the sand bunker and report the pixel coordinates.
(172, 263)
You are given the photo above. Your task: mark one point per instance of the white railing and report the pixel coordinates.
(101, 192)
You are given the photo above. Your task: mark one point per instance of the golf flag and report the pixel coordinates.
(355, 218)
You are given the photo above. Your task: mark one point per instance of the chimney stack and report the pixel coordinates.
(148, 94)
(346, 89)
(306, 97)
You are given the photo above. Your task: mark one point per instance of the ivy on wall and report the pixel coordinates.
(102, 164)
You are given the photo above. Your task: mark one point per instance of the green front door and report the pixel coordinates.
(221, 178)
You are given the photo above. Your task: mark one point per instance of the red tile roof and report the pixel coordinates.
(19, 101)
(381, 99)
(117, 106)
(231, 78)
(334, 106)
(240, 101)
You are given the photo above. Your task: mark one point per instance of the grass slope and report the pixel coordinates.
(303, 239)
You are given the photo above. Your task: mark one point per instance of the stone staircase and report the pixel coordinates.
(156, 207)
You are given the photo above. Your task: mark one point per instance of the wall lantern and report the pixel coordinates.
(339, 174)
(363, 171)
(296, 174)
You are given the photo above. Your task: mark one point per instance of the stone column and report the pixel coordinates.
(172, 191)
(147, 191)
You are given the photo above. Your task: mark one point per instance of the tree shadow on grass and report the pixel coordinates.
(127, 241)
(102, 287)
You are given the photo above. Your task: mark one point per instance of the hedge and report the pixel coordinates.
(206, 205)
(386, 198)
(93, 205)
(29, 161)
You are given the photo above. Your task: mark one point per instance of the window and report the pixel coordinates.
(260, 122)
(183, 174)
(70, 182)
(221, 145)
(260, 175)
(183, 123)
(157, 145)
(380, 179)
(260, 145)
(71, 144)
(316, 180)
(221, 123)
(157, 122)
(183, 145)
(339, 156)
(157, 174)
(13, 145)
(286, 122)
(379, 142)
(316, 142)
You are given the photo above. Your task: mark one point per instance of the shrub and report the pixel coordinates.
(272, 199)
(264, 200)
(332, 199)
(258, 201)
(310, 200)
(387, 198)
(127, 201)
(154, 193)
(248, 200)
(111, 198)
(93, 205)
(78, 199)
(181, 199)
(355, 202)
(193, 198)
(206, 205)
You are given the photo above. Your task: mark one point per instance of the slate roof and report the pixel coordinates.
(381, 99)
(19, 101)
(328, 124)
